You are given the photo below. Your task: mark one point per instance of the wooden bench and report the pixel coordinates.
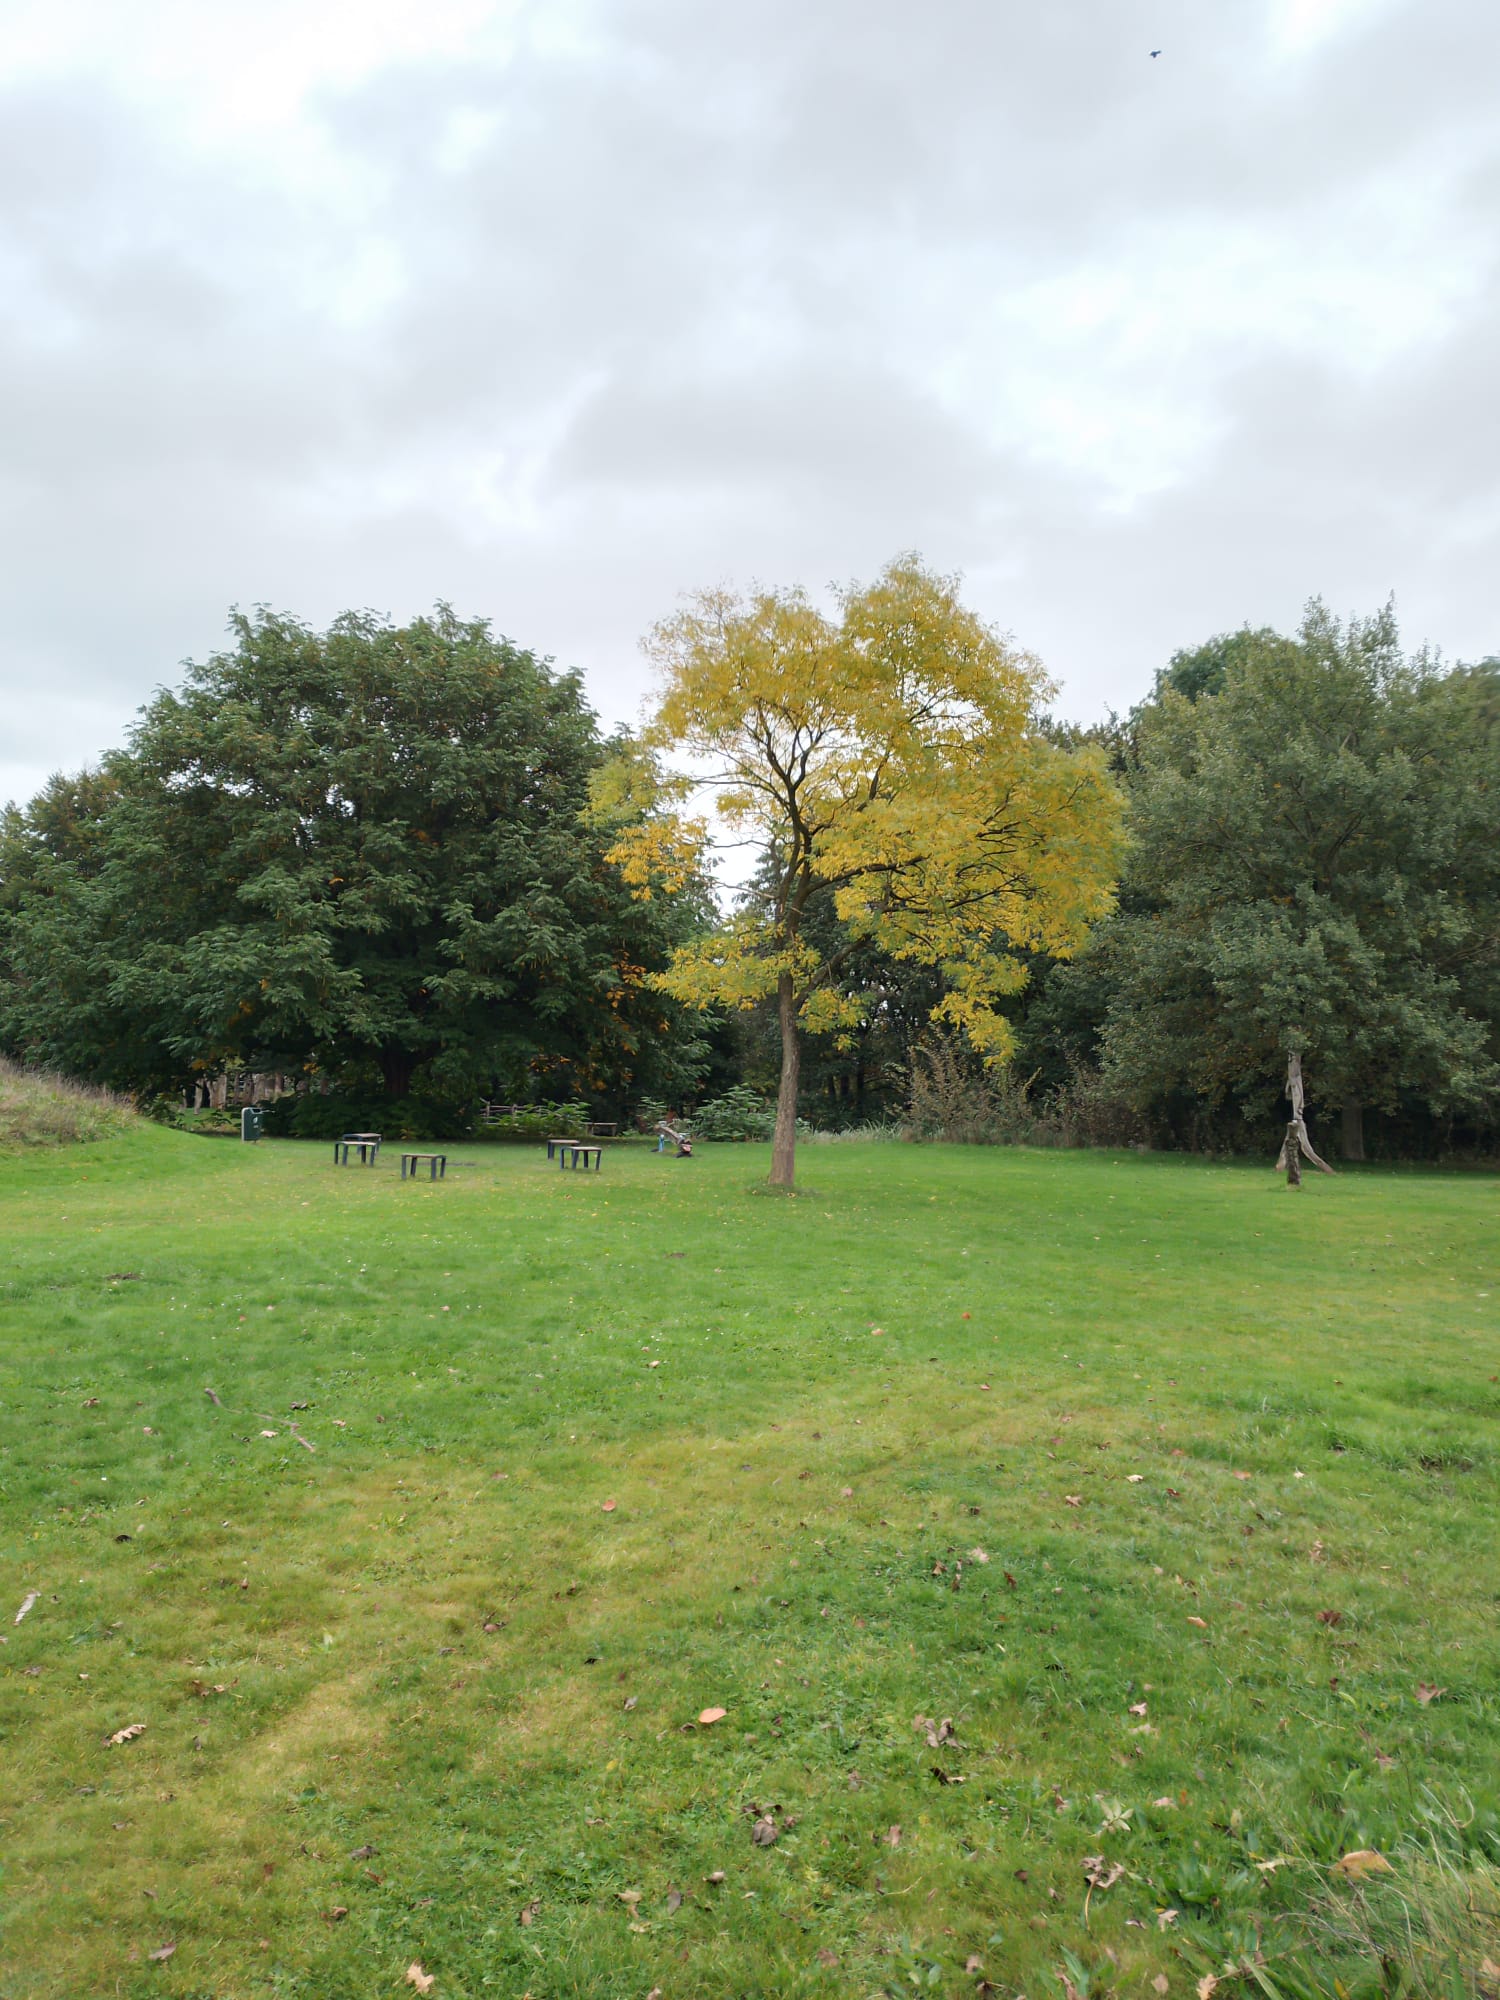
(437, 1165)
(570, 1151)
(600, 1131)
(553, 1144)
(366, 1144)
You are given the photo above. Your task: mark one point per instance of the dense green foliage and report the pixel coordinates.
(361, 853)
(378, 859)
(1315, 866)
(840, 1432)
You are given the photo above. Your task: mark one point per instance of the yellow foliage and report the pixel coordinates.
(891, 756)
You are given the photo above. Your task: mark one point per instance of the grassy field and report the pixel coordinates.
(1086, 1551)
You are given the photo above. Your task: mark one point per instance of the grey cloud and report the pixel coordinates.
(715, 294)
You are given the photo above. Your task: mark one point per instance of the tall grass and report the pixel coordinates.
(38, 1108)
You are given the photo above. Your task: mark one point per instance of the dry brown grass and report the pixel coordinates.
(38, 1108)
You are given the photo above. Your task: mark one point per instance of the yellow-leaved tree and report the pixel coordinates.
(888, 757)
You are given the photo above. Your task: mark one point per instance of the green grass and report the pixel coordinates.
(433, 1642)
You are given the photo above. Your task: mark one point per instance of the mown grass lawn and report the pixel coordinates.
(1164, 1497)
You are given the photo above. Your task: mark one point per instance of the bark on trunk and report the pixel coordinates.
(396, 1067)
(1352, 1131)
(784, 1141)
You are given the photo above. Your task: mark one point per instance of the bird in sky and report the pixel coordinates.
(1155, 53)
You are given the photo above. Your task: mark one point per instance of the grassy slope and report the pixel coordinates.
(794, 1494)
(38, 1108)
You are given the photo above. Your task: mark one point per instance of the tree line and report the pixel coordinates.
(407, 865)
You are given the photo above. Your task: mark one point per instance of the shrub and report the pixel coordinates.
(534, 1122)
(315, 1116)
(953, 1097)
(741, 1113)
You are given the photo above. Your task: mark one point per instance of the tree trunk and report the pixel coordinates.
(784, 1141)
(1291, 1153)
(396, 1067)
(1352, 1131)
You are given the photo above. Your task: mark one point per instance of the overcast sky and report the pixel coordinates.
(558, 310)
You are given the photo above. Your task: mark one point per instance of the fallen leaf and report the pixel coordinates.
(609, 1506)
(1100, 1873)
(709, 1715)
(268, 1434)
(1207, 1986)
(1135, 1478)
(1161, 1983)
(973, 1963)
(128, 1734)
(162, 1951)
(423, 1981)
(1201, 1623)
(1165, 1919)
(978, 1555)
(846, 1493)
(1073, 1499)
(1330, 1617)
(363, 1853)
(716, 1878)
(630, 1896)
(1426, 1692)
(828, 1959)
(764, 1831)
(1138, 1708)
(338, 1913)
(1242, 1475)
(27, 1601)
(891, 1838)
(674, 1901)
(527, 1916)
(947, 1777)
(629, 1702)
(1362, 1862)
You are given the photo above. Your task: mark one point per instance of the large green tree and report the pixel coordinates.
(360, 851)
(1316, 825)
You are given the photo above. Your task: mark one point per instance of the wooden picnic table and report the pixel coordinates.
(366, 1144)
(570, 1151)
